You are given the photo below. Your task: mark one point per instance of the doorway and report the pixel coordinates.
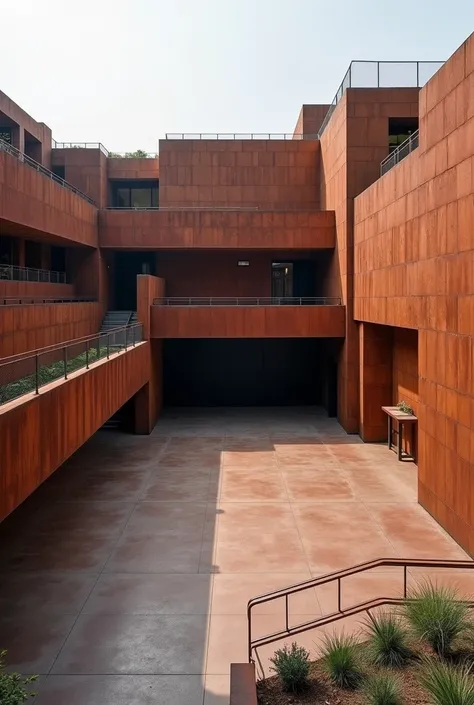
(282, 279)
(128, 265)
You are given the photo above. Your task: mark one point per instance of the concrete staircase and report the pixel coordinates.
(117, 319)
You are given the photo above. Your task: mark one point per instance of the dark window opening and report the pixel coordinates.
(399, 130)
(6, 134)
(33, 148)
(59, 170)
(134, 194)
(33, 254)
(58, 259)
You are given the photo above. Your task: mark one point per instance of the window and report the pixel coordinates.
(134, 194)
(399, 130)
(6, 134)
(59, 170)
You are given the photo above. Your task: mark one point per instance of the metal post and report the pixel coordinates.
(133, 334)
(65, 362)
(36, 374)
(339, 594)
(404, 581)
(98, 346)
(87, 355)
(286, 612)
(108, 345)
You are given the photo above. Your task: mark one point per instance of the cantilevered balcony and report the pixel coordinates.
(258, 317)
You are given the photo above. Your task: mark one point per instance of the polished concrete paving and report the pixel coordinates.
(125, 578)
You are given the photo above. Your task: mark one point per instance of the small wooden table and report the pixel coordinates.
(394, 413)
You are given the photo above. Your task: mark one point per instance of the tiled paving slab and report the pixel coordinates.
(125, 578)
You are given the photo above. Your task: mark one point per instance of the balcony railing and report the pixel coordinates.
(6, 147)
(238, 136)
(27, 373)
(10, 272)
(36, 300)
(402, 151)
(383, 74)
(248, 301)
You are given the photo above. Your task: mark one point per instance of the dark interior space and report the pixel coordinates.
(247, 372)
(127, 266)
(400, 129)
(33, 252)
(58, 259)
(33, 147)
(134, 193)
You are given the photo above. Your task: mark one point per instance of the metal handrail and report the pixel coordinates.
(248, 301)
(184, 208)
(11, 272)
(22, 157)
(239, 136)
(25, 300)
(402, 151)
(131, 155)
(341, 612)
(28, 367)
(350, 82)
(81, 145)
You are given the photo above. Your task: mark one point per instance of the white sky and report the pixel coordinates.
(124, 72)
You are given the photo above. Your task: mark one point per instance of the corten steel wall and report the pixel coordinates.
(214, 273)
(29, 199)
(38, 129)
(310, 119)
(130, 168)
(248, 322)
(352, 146)
(149, 400)
(32, 326)
(86, 169)
(75, 409)
(35, 289)
(264, 173)
(414, 260)
(214, 229)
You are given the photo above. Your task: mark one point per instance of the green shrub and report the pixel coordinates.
(13, 687)
(383, 689)
(437, 617)
(292, 664)
(387, 645)
(404, 407)
(339, 656)
(447, 684)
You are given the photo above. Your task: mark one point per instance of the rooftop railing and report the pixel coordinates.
(81, 145)
(35, 300)
(27, 373)
(383, 74)
(10, 272)
(402, 151)
(206, 301)
(183, 208)
(9, 149)
(238, 136)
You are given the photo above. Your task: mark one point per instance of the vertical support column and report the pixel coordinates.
(149, 400)
(375, 380)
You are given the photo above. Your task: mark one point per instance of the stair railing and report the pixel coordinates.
(341, 612)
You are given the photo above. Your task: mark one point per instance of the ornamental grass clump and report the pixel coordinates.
(383, 689)
(340, 660)
(448, 684)
(387, 640)
(437, 617)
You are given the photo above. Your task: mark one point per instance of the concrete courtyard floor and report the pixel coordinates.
(125, 577)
